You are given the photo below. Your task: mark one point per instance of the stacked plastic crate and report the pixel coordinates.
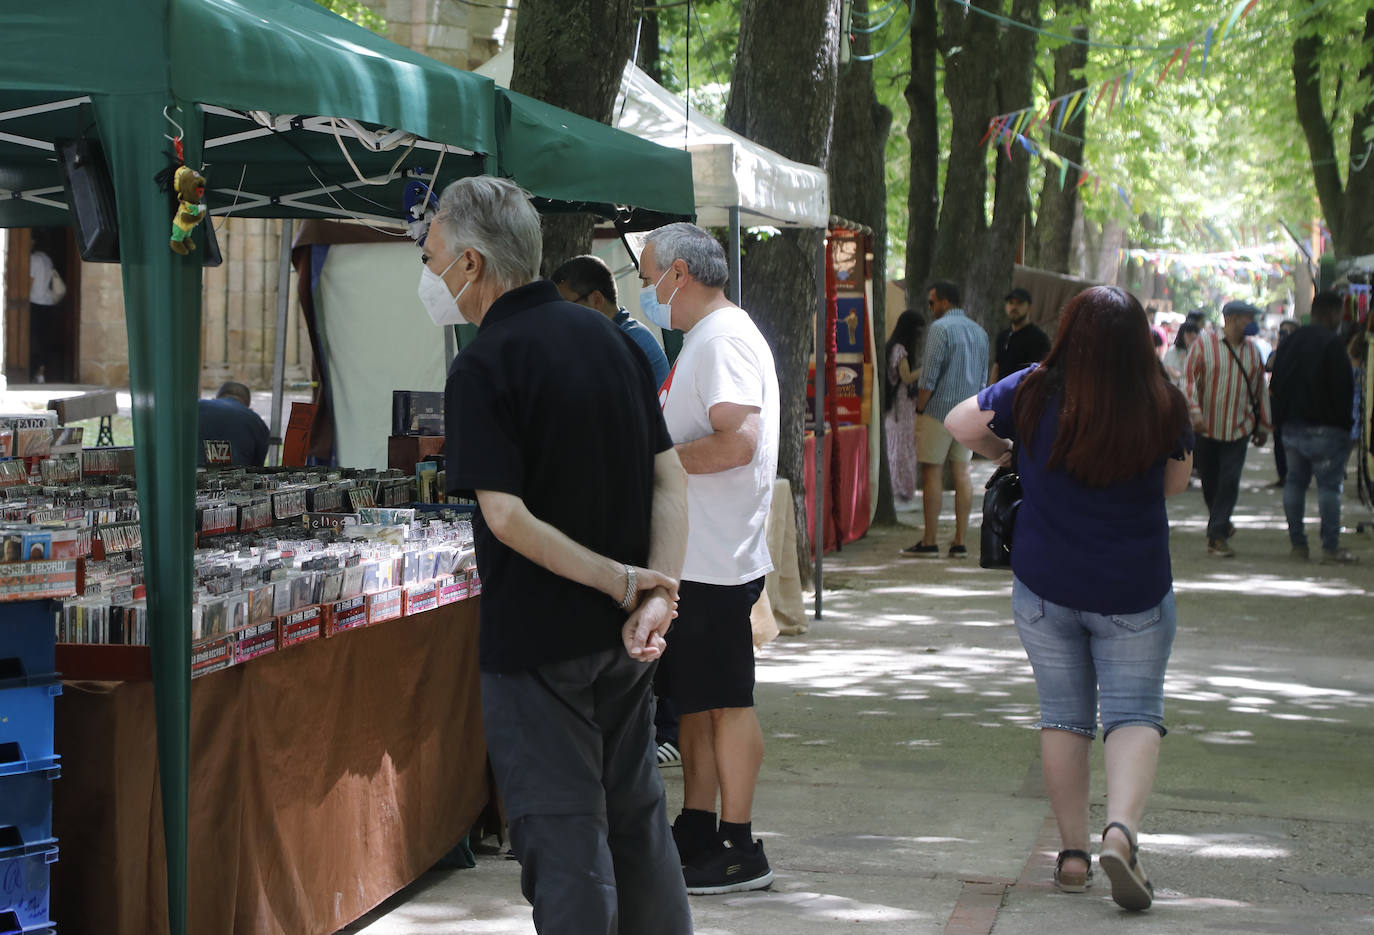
(28, 765)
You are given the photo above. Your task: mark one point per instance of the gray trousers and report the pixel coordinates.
(572, 747)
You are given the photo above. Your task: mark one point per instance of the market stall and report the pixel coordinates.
(293, 112)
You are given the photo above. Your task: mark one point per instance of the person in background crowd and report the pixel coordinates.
(1313, 389)
(1177, 353)
(1021, 344)
(1286, 328)
(1225, 388)
(554, 428)
(899, 406)
(1103, 438)
(954, 365)
(229, 418)
(721, 406)
(1266, 350)
(587, 280)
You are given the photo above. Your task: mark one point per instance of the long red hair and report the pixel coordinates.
(1118, 412)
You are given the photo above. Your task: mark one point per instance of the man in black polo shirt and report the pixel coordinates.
(1021, 345)
(1313, 390)
(554, 425)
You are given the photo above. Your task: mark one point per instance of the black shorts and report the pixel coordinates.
(709, 662)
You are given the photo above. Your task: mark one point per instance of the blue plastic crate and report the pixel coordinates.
(26, 811)
(26, 724)
(24, 890)
(27, 642)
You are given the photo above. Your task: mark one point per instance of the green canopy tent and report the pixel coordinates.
(291, 109)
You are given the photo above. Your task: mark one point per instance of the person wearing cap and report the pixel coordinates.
(1022, 344)
(1224, 384)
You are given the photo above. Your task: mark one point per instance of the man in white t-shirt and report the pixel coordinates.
(720, 402)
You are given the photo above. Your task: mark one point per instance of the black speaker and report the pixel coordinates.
(90, 199)
(208, 248)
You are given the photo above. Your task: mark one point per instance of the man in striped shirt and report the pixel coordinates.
(1229, 404)
(953, 369)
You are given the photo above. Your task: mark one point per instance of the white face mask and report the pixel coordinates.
(660, 313)
(441, 304)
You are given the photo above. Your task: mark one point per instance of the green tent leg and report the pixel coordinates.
(162, 299)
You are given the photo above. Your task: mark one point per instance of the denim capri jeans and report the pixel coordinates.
(1079, 656)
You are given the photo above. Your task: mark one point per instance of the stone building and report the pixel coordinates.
(84, 341)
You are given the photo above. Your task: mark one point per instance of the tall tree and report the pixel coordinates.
(923, 134)
(572, 56)
(1349, 206)
(788, 52)
(858, 192)
(1051, 246)
(988, 70)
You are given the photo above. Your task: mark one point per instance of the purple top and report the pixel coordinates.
(1098, 549)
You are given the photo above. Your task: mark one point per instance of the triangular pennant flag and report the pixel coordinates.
(1077, 103)
(992, 124)
(1098, 100)
(1206, 49)
(1165, 73)
(1063, 173)
(1236, 12)
(1187, 53)
(1126, 86)
(1111, 104)
(1083, 178)
(1063, 112)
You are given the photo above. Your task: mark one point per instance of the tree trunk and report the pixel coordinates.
(1359, 186)
(990, 271)
(987, 72)
(572, 56)
(1051, 247)
(650, 56)
(858, 191)
(923, 136)
(788, 52)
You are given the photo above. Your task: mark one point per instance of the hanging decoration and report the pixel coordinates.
(188, 186)
(1118, 87)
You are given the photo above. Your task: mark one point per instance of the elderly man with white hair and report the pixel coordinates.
(580, 533)
(721, 405)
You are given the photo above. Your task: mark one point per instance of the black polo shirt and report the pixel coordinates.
(556, 405)
(1017, 350)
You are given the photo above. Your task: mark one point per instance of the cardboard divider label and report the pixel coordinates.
(453, 588)
(302, 626)
(255, 640)
(211, 655)
(384, 605)
(346, 615)
(421, 597)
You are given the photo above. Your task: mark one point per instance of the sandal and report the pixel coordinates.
(1130, 888)
(1075, 881)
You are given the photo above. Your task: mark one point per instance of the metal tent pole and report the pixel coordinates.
(279, 360)
(735, 285)
(818, 494)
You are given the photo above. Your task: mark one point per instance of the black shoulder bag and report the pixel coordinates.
(1001, 501)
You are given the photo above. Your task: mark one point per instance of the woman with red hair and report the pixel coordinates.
(1101, 438)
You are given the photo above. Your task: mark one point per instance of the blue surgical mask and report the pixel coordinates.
(660, 313)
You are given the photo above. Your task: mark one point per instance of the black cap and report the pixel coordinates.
(1018, 295)
(1240, 308)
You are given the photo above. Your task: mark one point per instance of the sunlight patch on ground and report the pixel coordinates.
(824, 906)
(1267, 586)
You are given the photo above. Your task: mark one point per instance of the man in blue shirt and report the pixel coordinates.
(229, 418)
(588, 281)
(954, 367)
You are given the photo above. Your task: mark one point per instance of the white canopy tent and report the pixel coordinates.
(737, 183)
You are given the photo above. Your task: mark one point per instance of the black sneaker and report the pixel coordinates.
(691, 843)
(922, 551)
(728, 869)
(958, 551)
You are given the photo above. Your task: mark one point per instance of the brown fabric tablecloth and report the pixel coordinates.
(324, 778)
